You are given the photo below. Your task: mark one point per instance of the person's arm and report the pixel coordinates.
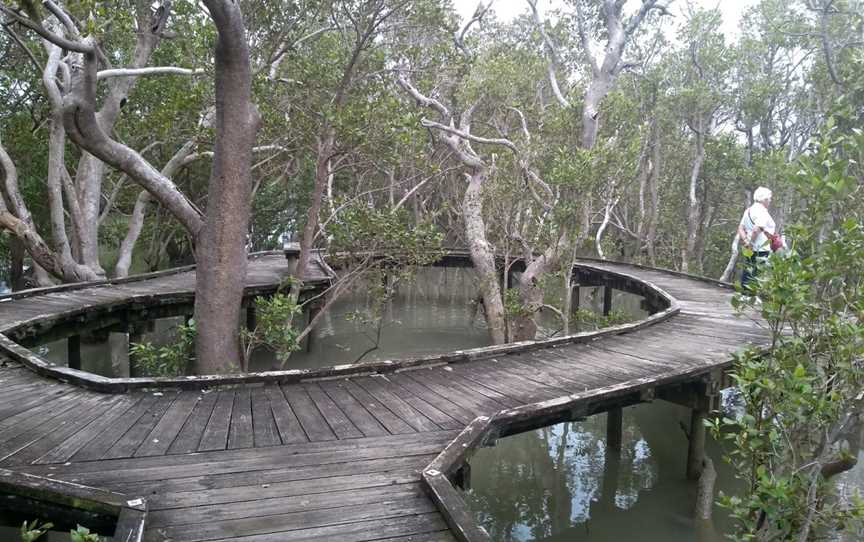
(742, 235)
(754, 234)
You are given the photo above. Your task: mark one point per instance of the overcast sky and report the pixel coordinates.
(507, 9)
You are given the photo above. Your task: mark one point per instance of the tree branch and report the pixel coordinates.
(155, 70)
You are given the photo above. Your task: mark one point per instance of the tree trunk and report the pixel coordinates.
(483, 256)
(694, 207)
(221, 251)
(597, 90)
(325, 145)
(136, 221)
(531, 294)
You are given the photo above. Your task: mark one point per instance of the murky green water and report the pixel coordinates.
(432, 314)
(559, 484)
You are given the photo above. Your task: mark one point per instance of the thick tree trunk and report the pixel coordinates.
(597, 90)
(483, 256)
(221, 250)
(524, 328)
(91, 170)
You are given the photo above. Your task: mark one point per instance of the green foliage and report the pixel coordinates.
(167, 360)
(273, 329)
(393, 235)
(33, 530)
(587, 320)
(802, 395)
(513, 306)
(83, 534)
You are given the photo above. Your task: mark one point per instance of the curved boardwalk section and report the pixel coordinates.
(336, 458)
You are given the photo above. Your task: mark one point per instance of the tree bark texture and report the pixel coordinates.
(694, 208)
(221, 249)
(483, 256)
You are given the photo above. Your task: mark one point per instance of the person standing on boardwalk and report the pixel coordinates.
(758, 233)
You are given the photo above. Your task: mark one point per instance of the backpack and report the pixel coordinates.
(776, 241)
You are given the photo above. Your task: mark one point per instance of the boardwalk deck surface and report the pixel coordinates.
(335, 459)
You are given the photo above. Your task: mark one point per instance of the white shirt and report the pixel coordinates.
(758, 215)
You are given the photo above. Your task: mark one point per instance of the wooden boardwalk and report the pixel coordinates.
(333, 459)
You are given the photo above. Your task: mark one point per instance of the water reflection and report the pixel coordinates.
(559, 483)
(435, 313)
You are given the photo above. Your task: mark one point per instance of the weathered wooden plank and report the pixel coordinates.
(99, 445)
(314, 424)
(290, 430)
(67, 428)
(470, 403)
(263, 424)
(253, 507)
(215, 435)
(169, 426)
(488, 375)
(52, 407)
(189, 437)
(338, 421)
(273, 489)
(66, 449)
(134, 437)
(281, 522)
(356, 412)
(457, 412)
(25, 434)
(211, 463)
(438, 416)
(394, 424)
(241, 433)
(182, 488)
(412, 528)
(395, 404)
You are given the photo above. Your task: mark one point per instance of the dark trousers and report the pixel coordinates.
(751, 268)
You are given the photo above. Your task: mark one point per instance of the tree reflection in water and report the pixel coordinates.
(558, 483)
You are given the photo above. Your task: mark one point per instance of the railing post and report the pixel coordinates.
(696, 445)
(607, 300)
(73, 352)
(575, 299)
(251, 316)
(614, 428)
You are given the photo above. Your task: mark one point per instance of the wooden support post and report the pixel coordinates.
(607, 300)
(614, 430)
(312, 311)
(136, 336)
(575, 299)
(251, 316)
(696, 446)
(462, 477)
(73, 352)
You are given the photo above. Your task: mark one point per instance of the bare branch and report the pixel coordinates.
(552, 53)
(469, 137)
(583, 37)
(524, 123)
(636, 20)
(421, 99)
(60, 41)
(479, 13)
(155, 70)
